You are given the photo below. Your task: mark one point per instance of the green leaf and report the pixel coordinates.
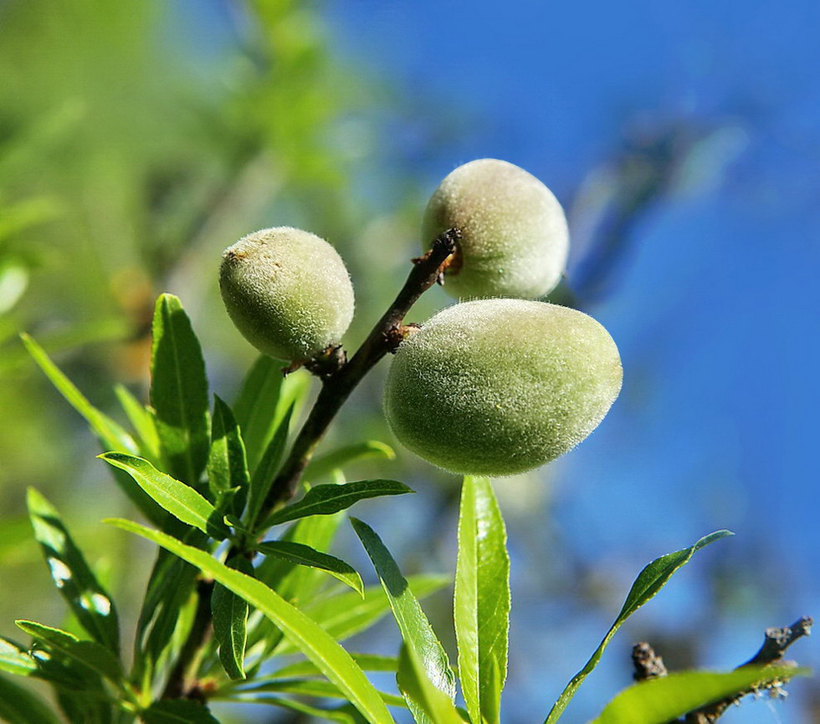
(346, 614)
(329, 499)
(256, 406)
(266, 471)
(416, 686)
(88, 653)
(323, 466)
(176, 497)
(658, 701)
(177, 712)
(110, 433)
(14, 659)
(482, 600)
(88, 601)
(306, 687)
(367, 662)
(306, 556)
(650, 580)
(227, 464)
(170, 586)
(345, 714)
(416, 631)
(230, 614)
(179, 391)
(303, 632)
(21, 706)
(293, 582)
(142, 420)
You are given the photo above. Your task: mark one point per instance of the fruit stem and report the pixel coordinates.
(336, 388)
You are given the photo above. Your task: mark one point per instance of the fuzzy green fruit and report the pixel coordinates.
(287, 291)
(514, 237)
(500, 386)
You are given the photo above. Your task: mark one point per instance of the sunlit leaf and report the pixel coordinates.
(415, 684)
(650, 580)
(255, 407)
(14, 659)
(143, 422)
(303, 632)
(179, 391)
(227, 464)
(87, 599)
(329, 499)
(265, 472)
(660, 700)
(230, 615)
(88, 653)
(176, 497)
(367, 662)
(346, 614)
(306, 556)
(415, 629)
(482, 600)
(110, 433)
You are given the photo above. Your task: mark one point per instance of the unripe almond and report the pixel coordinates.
(501, 386)
(287, 291)
(514, 237)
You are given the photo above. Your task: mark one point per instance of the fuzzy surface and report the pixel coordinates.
(514, 233)
(501, 386)
(287, 291)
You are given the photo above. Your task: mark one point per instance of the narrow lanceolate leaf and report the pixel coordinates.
(227, 463)
(346, 614)
(174, 496)
(308, 637)
(329, 499)
(88, 653)
(179, 391)
(177, 712)
(416, 686)
(230, 614)
(658, 701)
(14, 659)
(323, 466)
(88, 601)
(303, 555)
(266, 471)
(482, 600)
(367, 662)
(415, 629)
(256, 405)
(142, 420)
(21, 706)
(110, 433)
(295, 583)
(303, 687)
(650, 580)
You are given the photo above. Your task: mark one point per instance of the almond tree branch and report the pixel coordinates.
(337, 386)
(647, 665)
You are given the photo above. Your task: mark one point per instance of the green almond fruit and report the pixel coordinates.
(287, 291)
(514, 236)
(501, 386)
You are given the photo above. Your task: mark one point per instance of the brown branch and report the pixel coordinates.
(337, 386)
(339, 379)
(648, 665)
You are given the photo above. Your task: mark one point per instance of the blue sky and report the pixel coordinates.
(716, 308)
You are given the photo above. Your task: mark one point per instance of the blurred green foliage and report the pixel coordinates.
(137, 140)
